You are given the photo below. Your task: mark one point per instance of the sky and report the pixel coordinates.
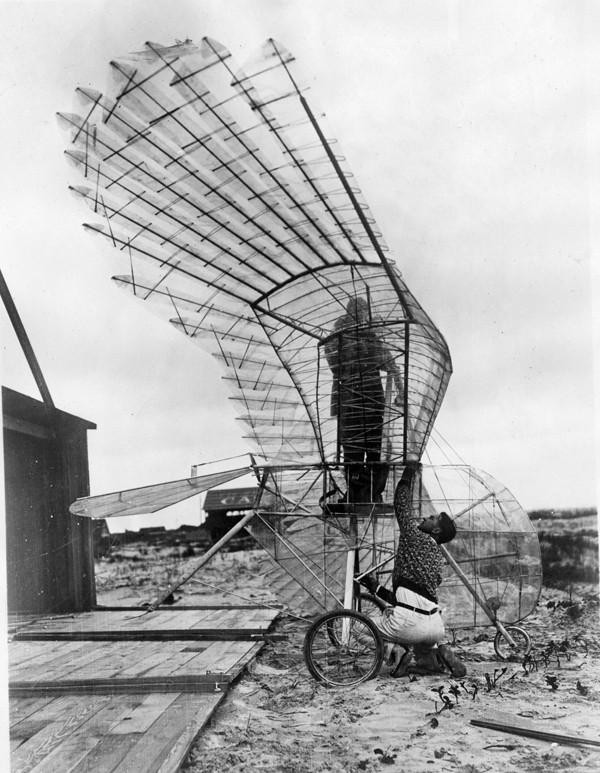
(472, 131)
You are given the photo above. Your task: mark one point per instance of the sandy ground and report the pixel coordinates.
(277, 718)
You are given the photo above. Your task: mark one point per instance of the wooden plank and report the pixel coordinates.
(106, 659)
(37, 720)
(14, 744)
(105, 662)
(265, 618)
(18, 620)
(22, 650)
(115, 621)
(55, 667)
(502, 721)
(33, 751)
(106, 755)
(21, 708)
(246, 658)
(229, 621)
(235, 658)
(20, 653)
(92, 663)
(164, 619)
(201, 683)
(203, 662)
(257, 620)
(180, 749)
(229, 655)
(162, 624)
(537, 733)
(156, 746)
(145, 714)
(83, 622)
(46, 660)
(144, 621)
(27, 729)
(52, 709)
(177, 608)
(175, 663)
(156, 654)
(114, 667)
(87, 736)
(216, 620)
(201, 659)
(166, 635)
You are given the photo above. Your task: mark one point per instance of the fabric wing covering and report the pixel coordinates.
(235, 213)
(150, 499)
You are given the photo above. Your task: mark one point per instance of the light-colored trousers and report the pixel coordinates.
(403, 626)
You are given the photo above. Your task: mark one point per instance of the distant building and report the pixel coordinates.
(153, 532)
(220, 506)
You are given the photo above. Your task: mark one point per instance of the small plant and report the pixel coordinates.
(530, 664)
(384, 757)
(474, 689)
(455, 690)
(492, 681)
(446, 701)
(552, 681)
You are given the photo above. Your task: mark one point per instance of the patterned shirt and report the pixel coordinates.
(419, 560)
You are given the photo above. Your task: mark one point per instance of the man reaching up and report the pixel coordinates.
(414, 620)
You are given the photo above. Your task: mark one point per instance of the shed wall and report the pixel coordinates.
(50, 566)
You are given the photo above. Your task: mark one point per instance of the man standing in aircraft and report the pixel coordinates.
(357, 354)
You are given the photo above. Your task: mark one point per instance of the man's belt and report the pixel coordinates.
(416, 609)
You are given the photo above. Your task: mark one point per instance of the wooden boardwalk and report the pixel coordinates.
(112, 690)
(131, 623)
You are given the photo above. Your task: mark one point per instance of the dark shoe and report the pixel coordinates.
(427, 662)
(427, 671)
(403, 665)
(451, 661)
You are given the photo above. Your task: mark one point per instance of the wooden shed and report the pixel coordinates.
(50, 561)
(219, 502)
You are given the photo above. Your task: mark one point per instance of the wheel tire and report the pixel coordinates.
(522, 640)
(343, 648)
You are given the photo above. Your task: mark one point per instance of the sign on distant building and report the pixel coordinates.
(224, 500)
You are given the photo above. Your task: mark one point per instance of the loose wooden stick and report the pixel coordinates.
(541, 735)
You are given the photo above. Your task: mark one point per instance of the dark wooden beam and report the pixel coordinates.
(540, 735)
(25, 343)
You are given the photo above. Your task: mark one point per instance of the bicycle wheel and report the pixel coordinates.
(343, 648)
(369, 605)
(522, 644)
